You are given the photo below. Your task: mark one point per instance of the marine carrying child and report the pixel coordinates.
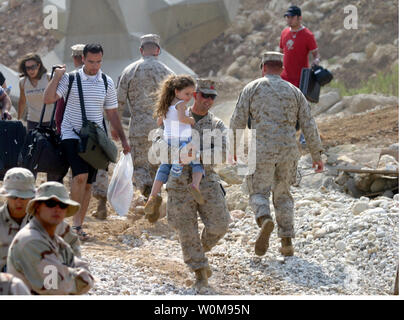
(171, 109)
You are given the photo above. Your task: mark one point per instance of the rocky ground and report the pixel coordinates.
(344, 245)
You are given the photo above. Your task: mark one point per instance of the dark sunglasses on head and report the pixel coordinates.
(207, 96)
(33, 67)
(53, 203)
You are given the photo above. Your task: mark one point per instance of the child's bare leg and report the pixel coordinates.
(196, 179)
(157, 185)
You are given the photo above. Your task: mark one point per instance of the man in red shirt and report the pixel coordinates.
(296, 43)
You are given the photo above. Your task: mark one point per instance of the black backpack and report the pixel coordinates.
(322, 76)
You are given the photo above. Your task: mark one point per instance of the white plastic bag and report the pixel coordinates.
(120, 189)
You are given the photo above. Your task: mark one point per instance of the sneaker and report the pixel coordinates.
(196, 194)
(151, 208)
(262, 242)
(286, 248)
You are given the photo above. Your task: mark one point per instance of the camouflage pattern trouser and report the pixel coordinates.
(143, 171)
(182, 215)
(277, 177)
(100, 186)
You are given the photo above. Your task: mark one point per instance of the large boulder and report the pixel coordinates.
(229, 174)
(364, 102)
(326, 101)
(236, 198)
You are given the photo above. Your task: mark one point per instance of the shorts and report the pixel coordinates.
(164, 170)
(76, 163)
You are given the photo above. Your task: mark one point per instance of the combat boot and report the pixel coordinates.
(262, 242)
(152, 207)
(201, 276)
(101, 213)
(286, 248)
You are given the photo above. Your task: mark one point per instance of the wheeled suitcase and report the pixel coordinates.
(12, 136)
(309, 85)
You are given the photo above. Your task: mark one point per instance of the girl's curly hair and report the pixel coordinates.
(166, 92)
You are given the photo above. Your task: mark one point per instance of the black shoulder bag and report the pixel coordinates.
(94, 147)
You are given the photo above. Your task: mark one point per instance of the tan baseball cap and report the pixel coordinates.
(18, 182)
(54, 190)
(206, 86)
(150, 38)
(77, 49)
(271, 56)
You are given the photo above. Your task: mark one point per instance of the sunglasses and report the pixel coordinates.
(33, 67)
(15, 198)
(207, 96)
(53, 203)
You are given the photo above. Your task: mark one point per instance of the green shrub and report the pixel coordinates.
(385, 83)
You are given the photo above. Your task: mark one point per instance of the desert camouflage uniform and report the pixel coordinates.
(9, 228)
(137, 84)
(10, 285)
(100, 186)
(182, 210)
(274, 106)
(33, 252)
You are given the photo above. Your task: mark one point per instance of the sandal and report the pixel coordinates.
(83, 236)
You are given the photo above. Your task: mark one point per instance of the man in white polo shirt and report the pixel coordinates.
(96, 100)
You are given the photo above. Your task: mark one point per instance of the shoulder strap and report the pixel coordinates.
(69, 88)
(80, 89)
(104, 77)
(52, 120)
(83, 110)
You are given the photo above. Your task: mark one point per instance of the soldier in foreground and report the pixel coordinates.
(274, 106)
(10, 285)
(137, 85)
(182, 209)
(41, 258)
(18, 189)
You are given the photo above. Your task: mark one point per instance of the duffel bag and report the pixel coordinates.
(90, 149)
(42, 152)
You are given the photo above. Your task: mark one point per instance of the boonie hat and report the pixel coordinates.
(54, 190)
(206, 86)
(293, 11)
(18, 182)
(271, 56)
(150, 38)
(77, 49)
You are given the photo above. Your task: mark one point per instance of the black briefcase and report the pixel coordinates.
(12, 136)
(309, 85)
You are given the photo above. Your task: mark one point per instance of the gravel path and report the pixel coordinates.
(343, 246)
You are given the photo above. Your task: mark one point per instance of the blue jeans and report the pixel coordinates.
(164, 170)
